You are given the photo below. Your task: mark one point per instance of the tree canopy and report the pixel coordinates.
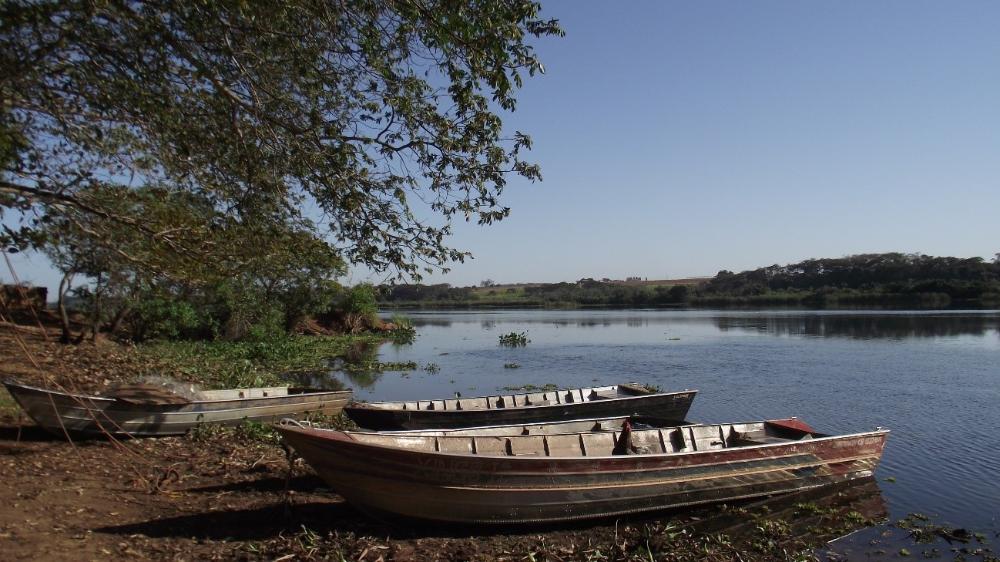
(346, 122)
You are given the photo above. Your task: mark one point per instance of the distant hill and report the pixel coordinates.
(890, 279)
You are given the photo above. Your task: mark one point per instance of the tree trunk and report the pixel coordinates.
(64, 286)
(120, 316)
(95, 320)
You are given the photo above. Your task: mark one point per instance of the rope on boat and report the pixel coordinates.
(304, 424)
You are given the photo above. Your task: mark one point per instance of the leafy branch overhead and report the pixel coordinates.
(365, 114)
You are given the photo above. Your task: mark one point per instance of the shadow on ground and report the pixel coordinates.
(27, 433)
(252, 524)
(307, 483)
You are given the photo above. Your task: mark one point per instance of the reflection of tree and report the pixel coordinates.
(443, 323)
(635, 322)
(863, 326)
(593, 323)
(353, 364)
(313, 379)
(363, 379)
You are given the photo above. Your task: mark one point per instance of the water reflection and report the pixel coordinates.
(931, 376)
(428, 321)
(593, 323)
(861, 326)
(815, 516)
(353, 365)
(846, 324)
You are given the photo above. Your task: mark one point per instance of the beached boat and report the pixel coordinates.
(498, 479)
(529, 407)
(150, 412)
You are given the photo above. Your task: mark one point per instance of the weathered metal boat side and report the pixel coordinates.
(531, 407)
(97, 415)
(544, 478)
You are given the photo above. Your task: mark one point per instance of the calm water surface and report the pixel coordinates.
(933, 378)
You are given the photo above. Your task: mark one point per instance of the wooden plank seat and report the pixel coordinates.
(598, 438)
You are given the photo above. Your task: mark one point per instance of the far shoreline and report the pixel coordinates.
(385, 307)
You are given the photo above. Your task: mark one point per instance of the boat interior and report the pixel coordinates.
(527, 399)
(247, 393)
(541, 428)
(243, 393)
(155, 394)
(605, 440)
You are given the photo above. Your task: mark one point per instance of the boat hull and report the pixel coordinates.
(93, 415)
(509, 490)
(665, 406)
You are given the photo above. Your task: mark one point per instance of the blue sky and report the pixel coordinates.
(681, 138)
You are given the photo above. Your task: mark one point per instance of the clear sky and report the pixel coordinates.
(681, 138)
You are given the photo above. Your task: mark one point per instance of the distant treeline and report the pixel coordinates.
(892, 279)
(865, 279)
(582, 293)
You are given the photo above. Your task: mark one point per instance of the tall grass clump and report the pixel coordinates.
(403, 332)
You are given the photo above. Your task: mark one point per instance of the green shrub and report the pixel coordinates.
(269, 325)
(158, 318)
(360, 299)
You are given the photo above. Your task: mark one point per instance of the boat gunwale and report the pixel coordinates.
(145, 409)
(95, 398)
(344, 437)
(645, 483)
(373, 406)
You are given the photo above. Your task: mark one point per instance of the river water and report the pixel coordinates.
(933, 378)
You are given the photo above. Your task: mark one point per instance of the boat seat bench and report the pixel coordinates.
(602, 441)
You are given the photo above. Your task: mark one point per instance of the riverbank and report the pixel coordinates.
(91, 366)
(231, 493)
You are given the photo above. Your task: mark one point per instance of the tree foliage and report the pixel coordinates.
(361, 114)
(260, 276)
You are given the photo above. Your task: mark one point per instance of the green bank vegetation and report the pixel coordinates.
(241, 364)
(891, 280)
